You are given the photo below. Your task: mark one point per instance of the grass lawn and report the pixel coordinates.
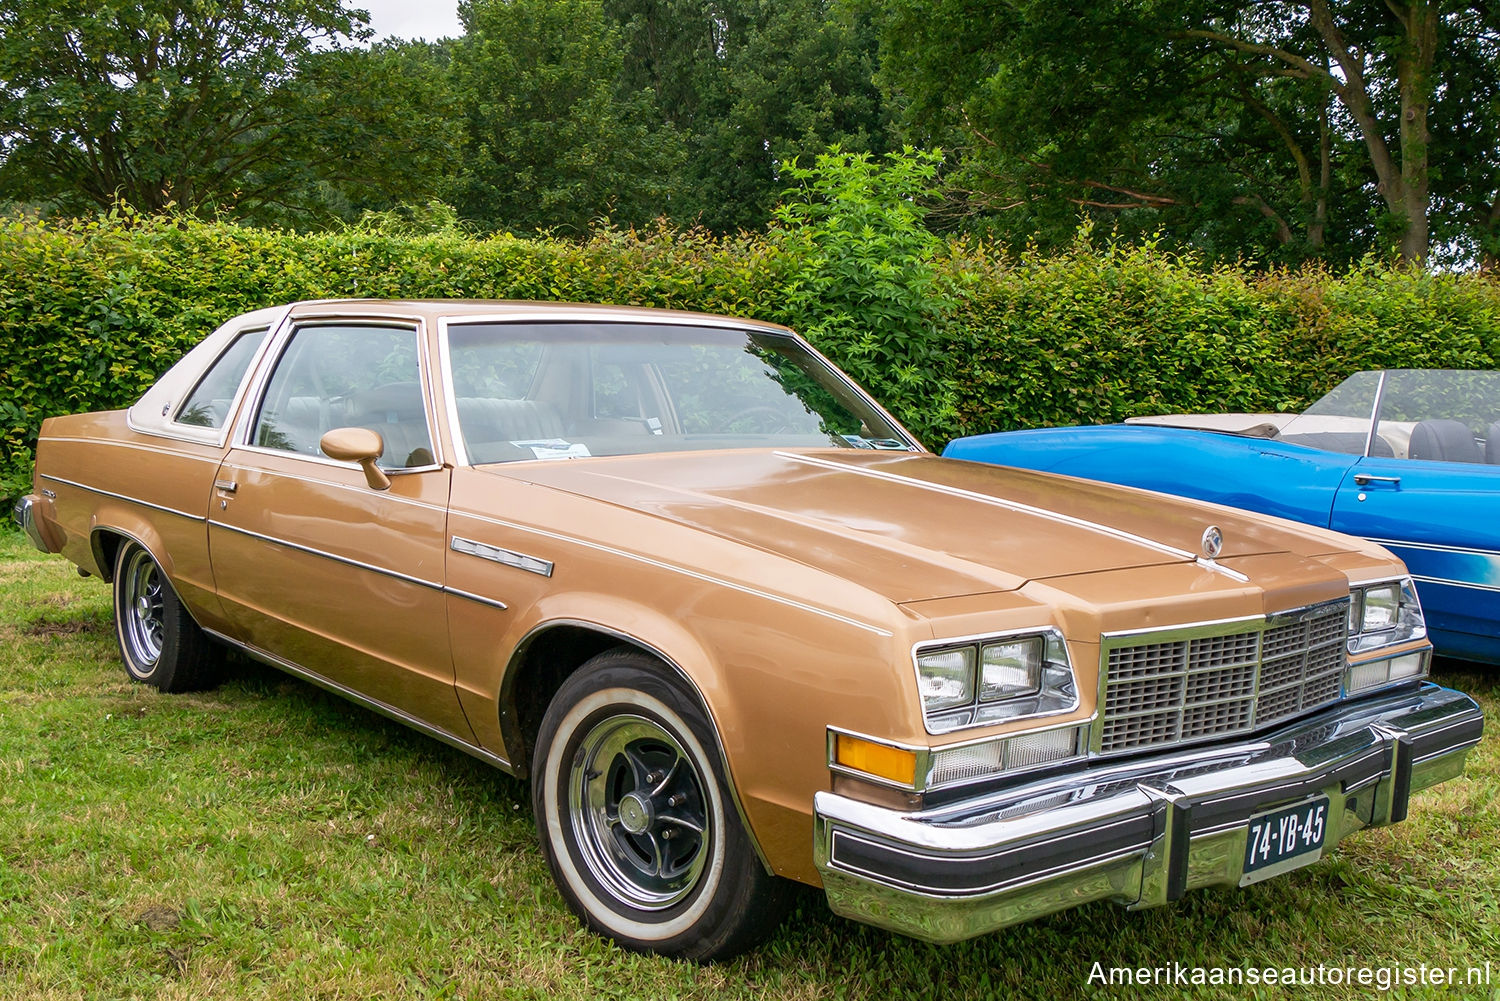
(268, 840)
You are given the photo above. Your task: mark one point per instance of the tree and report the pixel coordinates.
(1304, 113)
(160, 102)
(865, 287)
(380, 127)
(749, 84)
(553, 140)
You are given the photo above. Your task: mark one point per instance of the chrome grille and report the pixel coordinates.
(1181, 687)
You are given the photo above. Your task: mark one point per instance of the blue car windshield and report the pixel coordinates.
(1450, 415)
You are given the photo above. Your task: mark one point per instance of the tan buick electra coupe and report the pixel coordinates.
(740, 628)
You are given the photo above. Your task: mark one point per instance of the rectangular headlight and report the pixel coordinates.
(946, 678)
(1011, 668)
(989, 679)
(1382, 608)
(1384, 614)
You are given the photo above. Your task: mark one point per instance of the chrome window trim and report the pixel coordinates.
(1375, 413)
(979, 639)
(450, 399)
(124, 497)
(1209, 629)
(324, 460)
(264, 367)
(217, 437)
(360, 488)
(266, 331)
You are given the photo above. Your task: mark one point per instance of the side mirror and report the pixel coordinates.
(359, 445)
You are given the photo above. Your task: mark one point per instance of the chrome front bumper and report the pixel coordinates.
(1140, 833)
(24, 514)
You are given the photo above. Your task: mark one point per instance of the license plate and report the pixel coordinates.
(1281, 840)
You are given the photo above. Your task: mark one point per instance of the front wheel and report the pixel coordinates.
(160, 643)
(635, 820)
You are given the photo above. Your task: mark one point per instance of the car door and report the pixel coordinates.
(1441, 519)
(314, 565)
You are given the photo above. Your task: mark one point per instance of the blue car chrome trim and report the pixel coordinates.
(1456, 583)
(123, 497)
(1450, 564)
(1140, 833)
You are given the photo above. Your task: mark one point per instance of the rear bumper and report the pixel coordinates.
(1141, 833)
(25, 516)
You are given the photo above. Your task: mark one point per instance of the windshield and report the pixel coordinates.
(1443, 414)
(1340, 421)
(571, 390)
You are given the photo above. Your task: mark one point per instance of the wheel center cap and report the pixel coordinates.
(636, 814)
(143, 607)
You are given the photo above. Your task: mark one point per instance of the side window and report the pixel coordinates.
(208, 404)
(347, 375)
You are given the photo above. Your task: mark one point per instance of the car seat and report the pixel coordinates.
(1446, 441)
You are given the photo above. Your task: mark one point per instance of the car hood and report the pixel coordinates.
(913, 527)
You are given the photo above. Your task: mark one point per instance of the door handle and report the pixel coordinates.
(1365, 479)
(228, 486)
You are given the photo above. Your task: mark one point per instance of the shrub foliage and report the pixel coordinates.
(969, 338)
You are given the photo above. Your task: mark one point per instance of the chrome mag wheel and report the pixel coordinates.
(638, 824)
(636, 806)
(142, 611)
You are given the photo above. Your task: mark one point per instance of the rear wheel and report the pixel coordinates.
(160, 643)
(635, 817)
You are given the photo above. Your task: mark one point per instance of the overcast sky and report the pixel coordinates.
(429, 19)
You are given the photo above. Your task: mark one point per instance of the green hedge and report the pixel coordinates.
(1095, 336)
(91, 313)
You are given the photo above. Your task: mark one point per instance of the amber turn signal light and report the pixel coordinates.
(881, 760)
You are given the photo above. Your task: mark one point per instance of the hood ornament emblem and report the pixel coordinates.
(1212, 542)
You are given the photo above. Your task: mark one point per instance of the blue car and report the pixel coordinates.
(1407, 458)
